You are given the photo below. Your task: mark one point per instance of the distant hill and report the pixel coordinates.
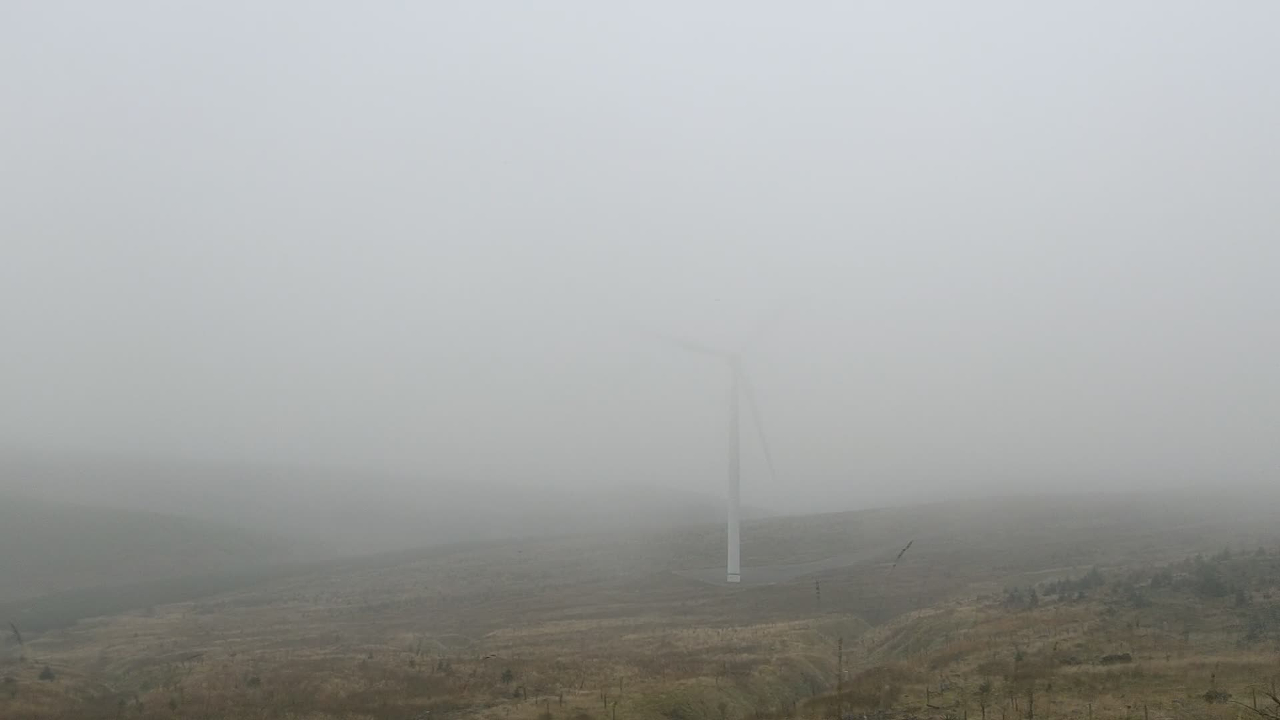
(49, 547)
(338, 512)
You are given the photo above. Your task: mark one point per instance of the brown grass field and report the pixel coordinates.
(592, 627)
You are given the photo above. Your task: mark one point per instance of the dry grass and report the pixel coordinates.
(1048, 662)
(579, 629)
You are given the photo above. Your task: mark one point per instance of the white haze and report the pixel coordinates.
(975, 247)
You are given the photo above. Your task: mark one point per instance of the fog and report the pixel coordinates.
(397, 251)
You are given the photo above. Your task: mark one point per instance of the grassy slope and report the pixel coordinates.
(1194, 636)
(51, 547)
(584, 623)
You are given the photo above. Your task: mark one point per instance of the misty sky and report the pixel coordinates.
(973, 245)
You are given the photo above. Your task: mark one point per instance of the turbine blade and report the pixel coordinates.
(689, 345)
(762, 327)
(749, 391)
(900, 554)
(694, 347)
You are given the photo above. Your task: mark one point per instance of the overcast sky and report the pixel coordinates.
(973, 245)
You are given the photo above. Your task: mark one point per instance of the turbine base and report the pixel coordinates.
(735, 578)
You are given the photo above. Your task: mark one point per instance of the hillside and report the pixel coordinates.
(599, 627)
(1198, 637)
(53, 547)
(333, 510)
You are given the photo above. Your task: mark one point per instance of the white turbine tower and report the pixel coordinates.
(739, 386)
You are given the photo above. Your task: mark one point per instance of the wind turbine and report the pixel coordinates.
(739, 386)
